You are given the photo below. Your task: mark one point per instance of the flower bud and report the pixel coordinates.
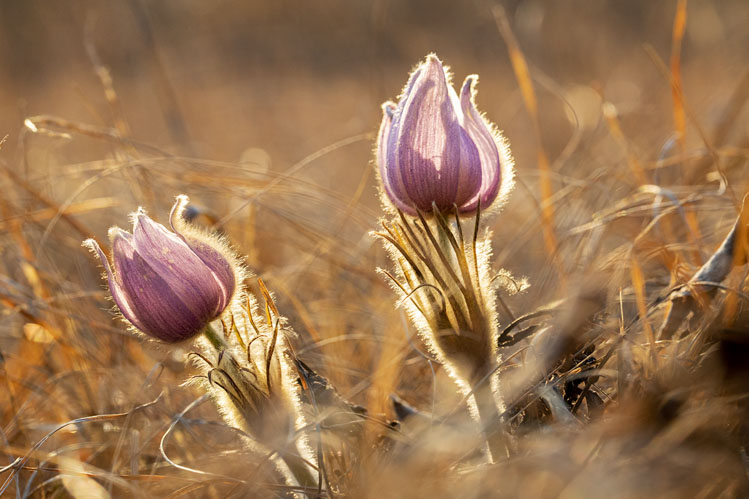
(169, 285)
(434, 148)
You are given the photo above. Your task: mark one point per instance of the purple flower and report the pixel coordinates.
(169, 285)
(435, 147)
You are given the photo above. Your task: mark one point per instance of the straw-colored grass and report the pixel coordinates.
(624, 357)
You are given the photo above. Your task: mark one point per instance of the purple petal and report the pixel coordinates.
(469, 171)
(429, 153)
(153, 305)
(482, 136)
(118, 294)
(392, 178)
(177, 264)
(395, 195)
(219, 266)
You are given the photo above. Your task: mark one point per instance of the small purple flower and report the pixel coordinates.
(435, 147)
(169, 285)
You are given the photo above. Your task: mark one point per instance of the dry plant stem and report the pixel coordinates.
(441, 279)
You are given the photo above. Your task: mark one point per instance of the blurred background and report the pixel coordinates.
(268, 84)
(265, 114)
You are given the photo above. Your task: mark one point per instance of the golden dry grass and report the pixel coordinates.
(630, 130)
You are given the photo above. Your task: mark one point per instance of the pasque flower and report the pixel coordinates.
(434, 148)
(168, 284)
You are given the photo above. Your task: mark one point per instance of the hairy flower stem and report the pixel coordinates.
(301, 471)
(479, 379)
(298, 466)
(488, 419)
(443, 278)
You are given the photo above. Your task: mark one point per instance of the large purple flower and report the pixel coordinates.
(169, 285)
(435, 147)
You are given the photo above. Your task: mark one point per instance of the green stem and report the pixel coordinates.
(301, 471)
(213, 337)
